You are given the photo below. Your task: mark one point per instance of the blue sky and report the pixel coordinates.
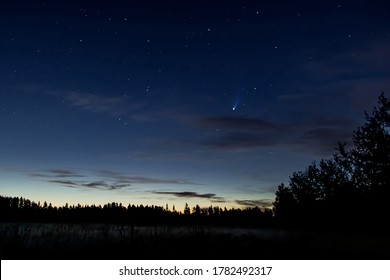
(132, 101)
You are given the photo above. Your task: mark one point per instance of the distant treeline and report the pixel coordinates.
(15, 209)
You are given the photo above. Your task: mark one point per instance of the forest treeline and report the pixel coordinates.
(19, 209)
(349, 190)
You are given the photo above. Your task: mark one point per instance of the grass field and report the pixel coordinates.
(110, 241)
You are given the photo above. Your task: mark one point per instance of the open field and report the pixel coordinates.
(110, 241)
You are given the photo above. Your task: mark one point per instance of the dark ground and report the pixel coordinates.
(109, 241)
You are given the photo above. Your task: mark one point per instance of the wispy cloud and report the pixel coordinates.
(353, 77)
(98, 185)
(218, 199)
(365, 61)
(72, 179)
(63, 173)
(212, 196)
(101, 180)
(249, 189)
(239, 123)
(94, 103)
(127, 107)
(245, 133)
(261, 203)
(188, 194)
(54, 173)
(102, 185)
(123, 178)
(64, 182)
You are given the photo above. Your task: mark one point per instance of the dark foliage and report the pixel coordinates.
(350, 190)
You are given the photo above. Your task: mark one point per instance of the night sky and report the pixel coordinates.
(167, 102)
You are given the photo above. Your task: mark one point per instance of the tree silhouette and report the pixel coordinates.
(187, 210)
(285, 206)
(348, 190)
(369, 160)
